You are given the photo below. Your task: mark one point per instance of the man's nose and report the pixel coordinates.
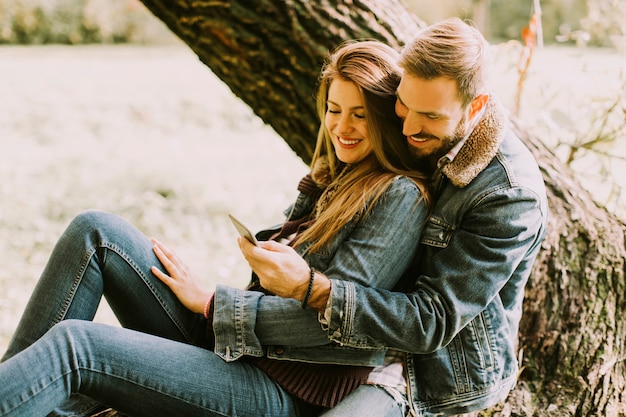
(411, 125)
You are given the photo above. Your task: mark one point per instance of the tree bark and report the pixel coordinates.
(573, 333)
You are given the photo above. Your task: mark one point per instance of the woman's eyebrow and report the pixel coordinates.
(351, 108)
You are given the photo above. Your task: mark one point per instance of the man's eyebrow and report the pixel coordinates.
(429, 114)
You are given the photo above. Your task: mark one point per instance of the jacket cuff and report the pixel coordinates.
(342, 308)
(233, 323)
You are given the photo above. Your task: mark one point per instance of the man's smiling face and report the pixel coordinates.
(433, 118)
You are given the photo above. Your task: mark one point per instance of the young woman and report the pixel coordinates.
(358, 217)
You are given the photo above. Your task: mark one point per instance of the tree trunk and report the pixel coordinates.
(573, 333)
(573, 330)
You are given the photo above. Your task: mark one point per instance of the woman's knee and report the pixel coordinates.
(89, 220)
(99, 226)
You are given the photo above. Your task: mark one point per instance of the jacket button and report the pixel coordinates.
(279, 351)
(337, 334)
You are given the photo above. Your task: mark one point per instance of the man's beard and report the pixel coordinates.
(445, 144)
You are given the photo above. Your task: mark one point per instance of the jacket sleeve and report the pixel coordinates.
(493, 247)
(376, 253)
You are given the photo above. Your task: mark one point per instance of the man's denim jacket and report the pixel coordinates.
(459, 314)
(373, 251)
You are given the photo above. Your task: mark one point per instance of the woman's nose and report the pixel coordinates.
(345, 124)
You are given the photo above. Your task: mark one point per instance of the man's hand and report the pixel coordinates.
(285, 273)
(187, 287)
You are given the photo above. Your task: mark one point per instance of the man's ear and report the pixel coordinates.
(477, 105)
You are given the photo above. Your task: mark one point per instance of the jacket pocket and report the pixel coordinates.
(436, 233)
(465, 366)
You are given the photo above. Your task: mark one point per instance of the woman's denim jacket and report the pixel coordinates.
(373, 251)
(458, 313)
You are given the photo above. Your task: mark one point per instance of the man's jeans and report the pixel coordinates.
(161, 369)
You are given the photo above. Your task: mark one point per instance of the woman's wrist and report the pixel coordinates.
(320, 292)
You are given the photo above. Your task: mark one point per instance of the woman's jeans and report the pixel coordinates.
(161, 368)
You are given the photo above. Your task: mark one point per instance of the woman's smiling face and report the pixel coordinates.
(346, 122)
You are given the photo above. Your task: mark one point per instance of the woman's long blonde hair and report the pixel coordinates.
(373, 67)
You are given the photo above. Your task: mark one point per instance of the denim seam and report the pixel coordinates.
(72, 292)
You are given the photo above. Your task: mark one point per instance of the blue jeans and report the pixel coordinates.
(157, 365)
(367, 401)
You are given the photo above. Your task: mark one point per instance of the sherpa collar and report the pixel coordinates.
(480, 147)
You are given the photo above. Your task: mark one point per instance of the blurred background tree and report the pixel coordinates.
(72, 22)
(596, 22)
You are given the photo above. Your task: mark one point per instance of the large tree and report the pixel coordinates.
(573, 330)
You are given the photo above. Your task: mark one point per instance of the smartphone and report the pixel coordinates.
(243, 230)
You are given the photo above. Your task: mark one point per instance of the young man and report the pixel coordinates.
(457, 318)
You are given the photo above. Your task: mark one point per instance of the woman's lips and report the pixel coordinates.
(348, 142)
